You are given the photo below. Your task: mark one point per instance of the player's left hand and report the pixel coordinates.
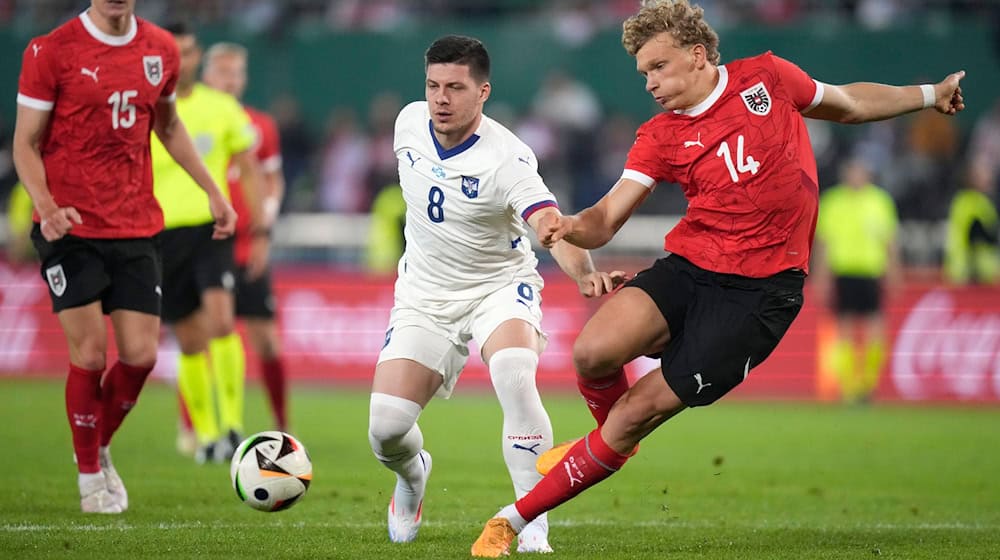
(597, 283)
(225, 217)
(949, 94)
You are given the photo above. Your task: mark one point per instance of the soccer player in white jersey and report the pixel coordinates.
(468, 273)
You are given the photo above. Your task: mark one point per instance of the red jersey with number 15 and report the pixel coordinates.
(101, 91)
(267, 152)
(747, 168)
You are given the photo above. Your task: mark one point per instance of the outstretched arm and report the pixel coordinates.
(576, 262)
(595, 226)
(865, 101)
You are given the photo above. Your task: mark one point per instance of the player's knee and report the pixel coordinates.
(391, 419)
(222, 326)
(591, 360)
(512, 371)
(143, 356)
(90, 354)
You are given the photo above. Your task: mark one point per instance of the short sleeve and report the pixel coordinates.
(173, 69)
(523, 188)
(240, 133)
(37, 87)
(269, 150)
(804, 91)
(644, 163)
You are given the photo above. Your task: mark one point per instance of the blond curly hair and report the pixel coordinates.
(685, 23)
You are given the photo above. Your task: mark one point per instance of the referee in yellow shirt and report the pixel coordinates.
(856, 256)
(198, 271)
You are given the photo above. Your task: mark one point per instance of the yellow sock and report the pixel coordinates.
(229, 365)
(196, 387)
(846, 369)
(874, 360)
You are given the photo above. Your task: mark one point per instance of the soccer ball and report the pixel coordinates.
(270, 471)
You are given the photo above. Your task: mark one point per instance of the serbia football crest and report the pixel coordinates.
(757, 99)
(153, 67)
(470, 186)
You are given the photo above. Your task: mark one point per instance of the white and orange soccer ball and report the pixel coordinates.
(271, 471)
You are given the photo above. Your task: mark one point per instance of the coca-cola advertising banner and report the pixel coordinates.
(945, 341)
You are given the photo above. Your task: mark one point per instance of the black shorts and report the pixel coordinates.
(254, 298)
(193, 262)
(855, 295)
(120, 273)
(721, 325)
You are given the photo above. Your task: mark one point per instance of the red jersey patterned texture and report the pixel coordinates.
(267, 152)
(101, 91)
(745, 163)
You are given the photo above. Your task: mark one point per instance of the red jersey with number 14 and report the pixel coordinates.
(747, 168)
(267, 152)
(101, 91)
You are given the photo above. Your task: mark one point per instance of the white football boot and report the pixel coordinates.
(94, 495)
(535, 536)
(404, 525)
(115, 485)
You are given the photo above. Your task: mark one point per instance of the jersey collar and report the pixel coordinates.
(712, 97)
(113, 40)
(450, 152)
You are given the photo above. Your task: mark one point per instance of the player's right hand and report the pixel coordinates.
(58, 222)
(552, 228)
(949, 94)
(225, 218)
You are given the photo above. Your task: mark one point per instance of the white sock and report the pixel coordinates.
(510, 514)
(397, 441)
(527, 430)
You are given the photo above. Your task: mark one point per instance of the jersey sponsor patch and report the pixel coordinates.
(57, 279)
(153, 67)
(470, 186)
(757, 99)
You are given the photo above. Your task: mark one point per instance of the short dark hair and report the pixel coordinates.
(458, 49)
(179, 28)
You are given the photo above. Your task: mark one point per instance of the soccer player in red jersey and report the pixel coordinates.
(90, 93)
(226, 70)
(734, 138)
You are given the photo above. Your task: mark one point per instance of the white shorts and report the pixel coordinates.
(437, 335)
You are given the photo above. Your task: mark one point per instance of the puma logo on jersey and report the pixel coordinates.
(526, 161)
(409, 156)
(91, 73)
(36, 48)
(690, 143)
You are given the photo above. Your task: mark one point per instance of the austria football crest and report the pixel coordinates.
(757, 99)
(153, 66)
(57, 279)
(470, 186)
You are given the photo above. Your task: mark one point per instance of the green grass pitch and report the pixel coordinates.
(735, 480)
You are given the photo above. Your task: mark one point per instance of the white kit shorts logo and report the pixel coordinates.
(57, 279)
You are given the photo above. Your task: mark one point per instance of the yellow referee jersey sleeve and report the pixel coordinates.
(220, 128)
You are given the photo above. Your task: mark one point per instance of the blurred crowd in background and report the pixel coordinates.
(570, 16)
(342, 164)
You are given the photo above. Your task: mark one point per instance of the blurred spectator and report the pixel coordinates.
(984, 146)
(19, 210)
(856, 253)
(972, 255)
(385, 232)
(382, 156)
(344, 165)
(296, 148)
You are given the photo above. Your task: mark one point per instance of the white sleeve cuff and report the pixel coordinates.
(33, 103)
(817, 98)
(639, 177)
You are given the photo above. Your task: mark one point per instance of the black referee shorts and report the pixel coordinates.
(856, 295)
(193, 262)
(721, 325)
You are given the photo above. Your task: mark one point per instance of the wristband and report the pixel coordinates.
(930, 98)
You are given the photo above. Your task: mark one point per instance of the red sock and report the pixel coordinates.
(273, 372)
(602, 393)
(587, 463)
(185, 415)
(119, 393)
(83, 409)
